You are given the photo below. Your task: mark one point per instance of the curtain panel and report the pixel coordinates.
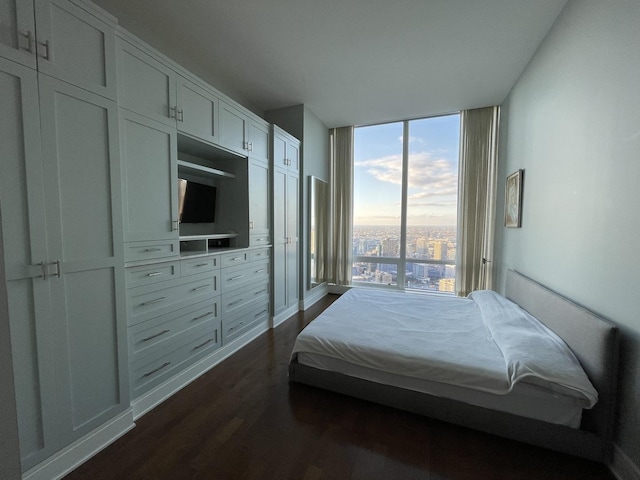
(477, 198)
(341, 221)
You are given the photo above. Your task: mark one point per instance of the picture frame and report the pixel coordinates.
(513, 200)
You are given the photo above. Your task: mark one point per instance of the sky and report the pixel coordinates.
(433, 172)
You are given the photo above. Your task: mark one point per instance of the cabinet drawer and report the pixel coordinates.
(156, 334)
(259, 254)
(199, 265)
(149, 301)
(232, 278)
(252, 293)
(244, 320)
(151, 371)
(257, 239)
(148, 274)
(234, 258)
(150, 250)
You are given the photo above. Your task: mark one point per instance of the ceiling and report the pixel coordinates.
(351, 62)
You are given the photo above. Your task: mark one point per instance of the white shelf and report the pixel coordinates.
(208, 236)
(196, 169)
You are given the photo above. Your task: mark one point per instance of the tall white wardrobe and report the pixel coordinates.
(79, 238)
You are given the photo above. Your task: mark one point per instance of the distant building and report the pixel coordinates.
(447, 285)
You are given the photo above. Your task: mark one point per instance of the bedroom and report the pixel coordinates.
(572, 121)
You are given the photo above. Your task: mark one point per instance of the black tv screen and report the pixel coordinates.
(196, 202)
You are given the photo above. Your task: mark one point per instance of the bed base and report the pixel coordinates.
(534, 432)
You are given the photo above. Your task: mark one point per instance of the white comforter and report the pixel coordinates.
(483, 342)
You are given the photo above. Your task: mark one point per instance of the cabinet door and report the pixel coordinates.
(292, 239)
(85, 242)
(145, 85)
(233, 128)
(23, 225)
(76, 46)
(279, 241)
(259, 141)
(258, 202)
(279, 151)
(293, 156)
(197, 112)
(17, 32)
(150, 180)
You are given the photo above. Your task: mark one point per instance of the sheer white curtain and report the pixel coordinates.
(477, 198)
(340, 246)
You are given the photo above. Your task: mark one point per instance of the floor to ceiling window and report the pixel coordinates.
(405, 204)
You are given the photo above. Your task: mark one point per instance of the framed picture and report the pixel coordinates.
(513, 200)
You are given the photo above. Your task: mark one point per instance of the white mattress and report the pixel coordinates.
(484, 351)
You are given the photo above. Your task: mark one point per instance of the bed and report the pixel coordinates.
(563, 400)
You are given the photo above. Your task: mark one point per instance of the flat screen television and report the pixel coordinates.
(196, 202)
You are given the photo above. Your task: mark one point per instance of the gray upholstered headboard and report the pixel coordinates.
(593, 340)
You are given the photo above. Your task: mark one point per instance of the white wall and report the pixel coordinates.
(572, 121)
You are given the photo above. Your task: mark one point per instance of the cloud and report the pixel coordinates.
(429, 173)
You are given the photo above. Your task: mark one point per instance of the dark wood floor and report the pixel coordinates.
(242, 420)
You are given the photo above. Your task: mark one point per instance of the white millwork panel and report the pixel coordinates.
(146, 85)
(61, 204)
(233, 129)
(286, 197)
(259, 218)
(18, 32)
(149, 151)
(197, 111)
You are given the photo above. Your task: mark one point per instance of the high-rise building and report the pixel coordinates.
(440, 250)
(422, 246)
(390, 247)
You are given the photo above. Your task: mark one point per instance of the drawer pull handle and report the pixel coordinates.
(258, 314)
(201, 316)
(201, 265)
(148, 374)
(236, 258)
(151, 302)
(154, 274)
(149, 250)
(234, 303)
(203, 344)
(260, 271)
(200, 288)
(236, 326)
(154, 336)
(261, 291)
(236, 278)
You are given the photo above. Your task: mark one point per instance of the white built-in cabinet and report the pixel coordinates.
(286, 198)
(60, 202)
(110, 298)
(54, 34)
(150, 87)
(150, 181)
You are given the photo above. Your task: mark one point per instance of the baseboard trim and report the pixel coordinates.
(162, 392)
(314, 296)
(622, 466)
(282, 316)
(70, 457)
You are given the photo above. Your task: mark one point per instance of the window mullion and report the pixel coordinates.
(402, 264)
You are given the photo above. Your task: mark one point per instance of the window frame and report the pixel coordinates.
(401, 261)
